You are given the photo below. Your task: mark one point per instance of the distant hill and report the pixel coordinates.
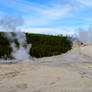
(42, 45)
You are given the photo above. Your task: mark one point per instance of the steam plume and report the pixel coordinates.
(10, 24)
(85, 36)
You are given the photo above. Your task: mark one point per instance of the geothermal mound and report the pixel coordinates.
(79, 53)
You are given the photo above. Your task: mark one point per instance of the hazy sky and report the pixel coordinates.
(50, 16)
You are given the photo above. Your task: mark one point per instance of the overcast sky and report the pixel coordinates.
(50, 16)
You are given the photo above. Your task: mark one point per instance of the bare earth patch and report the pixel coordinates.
(39, 77)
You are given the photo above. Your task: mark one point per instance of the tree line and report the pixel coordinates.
(42, 45)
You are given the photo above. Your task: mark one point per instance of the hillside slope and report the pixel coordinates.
(42, 45)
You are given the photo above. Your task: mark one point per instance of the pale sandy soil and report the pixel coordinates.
(70, 72)
(44, 77)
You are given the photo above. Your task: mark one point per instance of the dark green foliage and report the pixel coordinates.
(5, 49)
(42, 45)
(48, 45)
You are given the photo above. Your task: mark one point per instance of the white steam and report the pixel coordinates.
(10, 24)
(85, 36)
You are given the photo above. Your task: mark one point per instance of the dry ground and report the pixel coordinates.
(45, 77)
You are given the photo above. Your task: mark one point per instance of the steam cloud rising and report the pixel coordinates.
(85, 36)
(10, 24)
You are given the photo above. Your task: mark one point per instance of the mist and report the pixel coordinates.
(85, 36)
(11, 28)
